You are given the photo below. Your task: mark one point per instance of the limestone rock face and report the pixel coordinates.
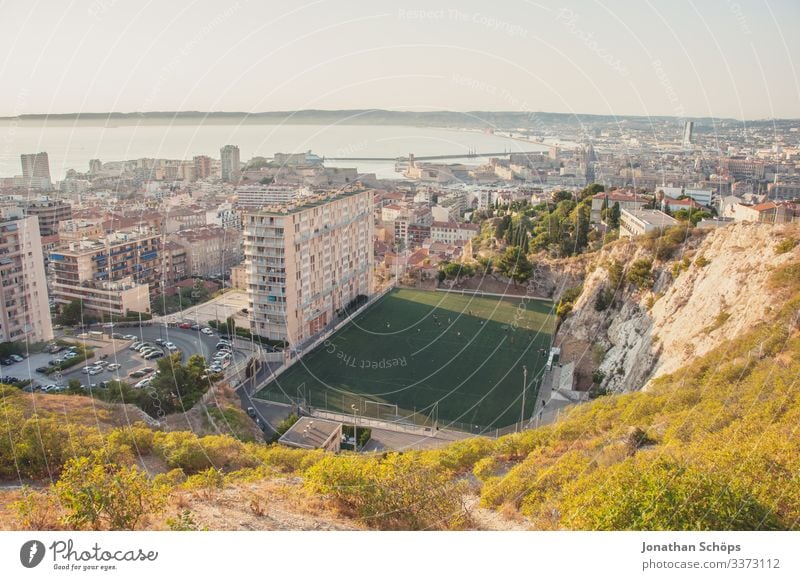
(689, 311)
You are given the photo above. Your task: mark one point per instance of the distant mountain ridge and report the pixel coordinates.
(468, 119)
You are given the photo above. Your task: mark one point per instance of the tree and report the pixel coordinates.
(614, 216)
(502, 226)
(559, 196)
(641, 274)
(74, 387)
(72, 313)
(96, 493)
(692, 215)
(591, 190)
(581, 228)
(514, 264)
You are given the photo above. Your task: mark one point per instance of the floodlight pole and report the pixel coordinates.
(524, 384)
(355, 429)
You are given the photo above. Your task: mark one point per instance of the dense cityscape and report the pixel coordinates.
(524, 267)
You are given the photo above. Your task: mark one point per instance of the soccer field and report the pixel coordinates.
(435, 355)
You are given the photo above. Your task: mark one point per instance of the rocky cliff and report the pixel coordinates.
(710, 287)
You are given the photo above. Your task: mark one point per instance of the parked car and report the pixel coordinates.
(148, 370)
(70, 354)
(143, 383)
(42, 370)
(9, 380)
(153, 355)
(195, 327)
(223, 344)
(113, 366)
(251, 411)
(137, 374)
(7, 361)
(130, 337)
(16, 358)
(207, 331)
(135, 345)
(117, 336)
(160, 341)
(87, 370)
(171, 346)
(185, 325)
(49, 388)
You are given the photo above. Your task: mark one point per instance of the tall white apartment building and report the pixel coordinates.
(230, 164)
(306, 261)
(24, 307)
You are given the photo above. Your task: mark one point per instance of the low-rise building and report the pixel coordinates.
(453, 232)
(625, 200)
(639, 222)
(314, 433)
(239, 277)
(210, 250)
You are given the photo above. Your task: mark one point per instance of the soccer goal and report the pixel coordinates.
(380, 410)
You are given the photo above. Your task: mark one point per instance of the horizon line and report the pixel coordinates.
(362, 111)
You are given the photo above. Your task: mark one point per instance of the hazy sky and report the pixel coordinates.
(648, 57)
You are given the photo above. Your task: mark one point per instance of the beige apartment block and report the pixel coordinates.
(25, 314)
(306, 261)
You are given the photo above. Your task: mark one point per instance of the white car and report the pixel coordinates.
(113, 366)
(87, 370)
(143, 383)
(207, 331)
(48, 388)
(171, 346)
(130, 337)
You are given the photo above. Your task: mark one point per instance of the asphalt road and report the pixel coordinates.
(188, 341)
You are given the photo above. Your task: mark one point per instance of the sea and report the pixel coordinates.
(71, 144)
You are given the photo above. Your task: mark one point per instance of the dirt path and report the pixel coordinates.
(490, 520)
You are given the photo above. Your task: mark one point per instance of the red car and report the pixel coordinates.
(184, 325)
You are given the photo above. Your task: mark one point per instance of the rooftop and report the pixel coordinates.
(308, 202)
(653, 217)
(310, 433)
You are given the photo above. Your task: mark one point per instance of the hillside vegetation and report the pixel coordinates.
(711, 445)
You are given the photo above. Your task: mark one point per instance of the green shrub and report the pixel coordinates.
(286, 424)
(641, 274)
(701, 261)
(785, 245)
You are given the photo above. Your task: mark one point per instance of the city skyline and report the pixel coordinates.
(733, 61)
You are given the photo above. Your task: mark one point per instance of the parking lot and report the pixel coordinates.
(117, 351)
(220, 308)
